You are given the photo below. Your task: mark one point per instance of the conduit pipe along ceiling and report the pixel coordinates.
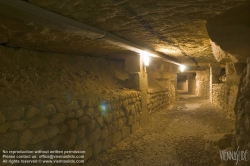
(28, 12)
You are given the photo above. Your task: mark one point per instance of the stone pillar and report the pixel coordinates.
(215, 70)
(139, 81)
(208, 81)
(202, 83)
(173, 77)
(214, 74)
(170, 71)
(210, 84)
(138, 75)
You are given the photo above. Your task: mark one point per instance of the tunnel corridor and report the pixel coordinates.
(175, 136)
(124, 82)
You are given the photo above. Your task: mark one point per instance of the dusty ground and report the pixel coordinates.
(174, 137)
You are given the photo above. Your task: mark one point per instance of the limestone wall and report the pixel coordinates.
(233, 74)
(231, 100)
(90, 124)
(182, 85)
(219, 95)
(59, 102)
(202, 84)
(33, 76)
(224, 94)
(202, 89)
(191, 84)
(242, 111)
(160, 99)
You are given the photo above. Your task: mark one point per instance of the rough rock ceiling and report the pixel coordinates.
(230, 33)
(174, 27)
(19, 34)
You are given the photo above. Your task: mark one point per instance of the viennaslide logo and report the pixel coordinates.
(233, 155)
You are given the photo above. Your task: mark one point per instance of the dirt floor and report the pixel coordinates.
(175, 137)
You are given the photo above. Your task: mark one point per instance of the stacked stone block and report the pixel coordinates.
(219, 95)
(90, 124)
(202, 88)
(202, 84)
(224, 94)
(160, 99)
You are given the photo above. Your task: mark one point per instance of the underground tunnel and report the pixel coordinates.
(125, 82)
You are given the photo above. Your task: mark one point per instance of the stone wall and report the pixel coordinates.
(191, 83)
(68, 102)
(233, 73)
(230, 45)
(219, 95)
(90, 124)
(231, 100)
(47, 102)
(242, 111)
(160, 99)
(182, 85)
(224, 94)
(28, 76)
(202, 84)
(202, 89)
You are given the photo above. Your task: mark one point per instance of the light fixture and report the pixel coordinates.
(146, 57)
(182, 68)
(146, 60)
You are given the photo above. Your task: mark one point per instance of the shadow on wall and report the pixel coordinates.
(182, 82)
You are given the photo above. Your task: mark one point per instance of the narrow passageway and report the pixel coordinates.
(174, 137)
(97, 80)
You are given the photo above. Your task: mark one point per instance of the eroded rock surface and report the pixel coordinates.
(242, 109)
(230, 32)
(176, 28)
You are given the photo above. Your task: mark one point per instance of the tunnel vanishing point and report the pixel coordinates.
(81, 76)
